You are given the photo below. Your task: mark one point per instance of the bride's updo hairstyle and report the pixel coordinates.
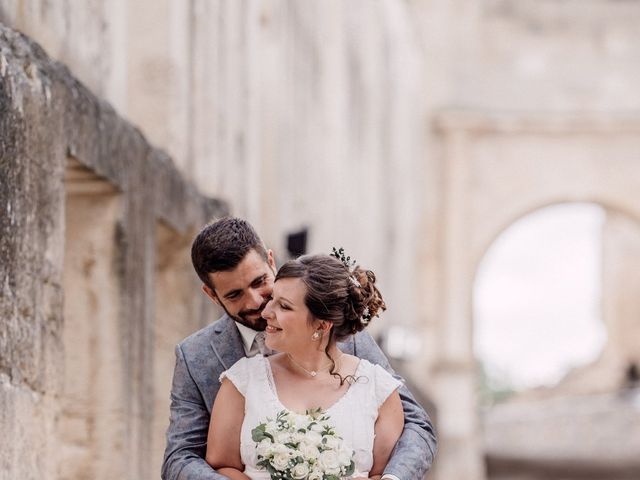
(347, 297)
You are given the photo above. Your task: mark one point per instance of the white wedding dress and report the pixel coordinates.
(353, 415)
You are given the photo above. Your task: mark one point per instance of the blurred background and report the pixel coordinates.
(481, 156)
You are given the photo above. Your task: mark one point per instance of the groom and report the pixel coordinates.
(237, 273)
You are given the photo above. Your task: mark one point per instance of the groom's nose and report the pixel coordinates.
(255, 299)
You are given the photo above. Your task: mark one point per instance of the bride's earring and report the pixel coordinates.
(316, 336)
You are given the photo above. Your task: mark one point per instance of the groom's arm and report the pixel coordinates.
(188, 428)
(415, 450)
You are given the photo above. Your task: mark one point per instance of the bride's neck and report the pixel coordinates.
(315, 360)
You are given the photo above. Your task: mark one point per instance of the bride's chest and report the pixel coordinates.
(299, 396)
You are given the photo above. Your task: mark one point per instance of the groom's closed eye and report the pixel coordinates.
(259, 281)
(235, 294)
(232, 295)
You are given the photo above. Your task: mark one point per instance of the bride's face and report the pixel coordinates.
(289, 322)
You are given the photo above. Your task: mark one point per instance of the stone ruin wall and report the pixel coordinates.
(94, 241)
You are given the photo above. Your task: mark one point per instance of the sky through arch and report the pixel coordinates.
(537, 297)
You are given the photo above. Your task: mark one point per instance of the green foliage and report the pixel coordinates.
(259, 433)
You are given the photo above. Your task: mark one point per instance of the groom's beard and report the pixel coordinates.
(256, 323)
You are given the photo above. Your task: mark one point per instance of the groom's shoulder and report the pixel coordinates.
(203, 337)
(365, 346)
(364, 339)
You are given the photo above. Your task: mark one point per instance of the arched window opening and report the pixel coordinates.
(537, 300)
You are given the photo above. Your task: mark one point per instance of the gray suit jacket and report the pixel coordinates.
(203, 356)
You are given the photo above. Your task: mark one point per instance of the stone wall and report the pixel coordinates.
(83, 194)
(298, 115)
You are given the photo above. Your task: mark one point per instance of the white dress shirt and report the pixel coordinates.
(248, 336)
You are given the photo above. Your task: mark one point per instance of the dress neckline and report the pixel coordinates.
(274, 389)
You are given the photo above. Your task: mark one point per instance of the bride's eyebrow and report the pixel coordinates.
(285, 299)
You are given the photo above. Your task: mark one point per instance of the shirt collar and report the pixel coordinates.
(248, 336)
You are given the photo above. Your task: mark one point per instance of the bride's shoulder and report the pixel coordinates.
(243, 372)
(247, 364)
(377, 373)
(364, 365)
(382, 382)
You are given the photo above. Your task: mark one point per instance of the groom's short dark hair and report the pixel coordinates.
(220, 246)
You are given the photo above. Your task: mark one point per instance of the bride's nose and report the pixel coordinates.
(266, 312)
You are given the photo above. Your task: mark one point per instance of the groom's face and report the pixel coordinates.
(244, 291)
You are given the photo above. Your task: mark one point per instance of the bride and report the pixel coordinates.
(317, 300)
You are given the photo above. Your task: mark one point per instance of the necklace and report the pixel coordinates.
(312, 373)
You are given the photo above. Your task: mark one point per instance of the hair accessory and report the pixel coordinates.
(348, 264)
(340, 255)
(366, 316)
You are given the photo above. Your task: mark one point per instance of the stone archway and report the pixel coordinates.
(537, 299)
(495, 169)
(534, 433)
(620, 249)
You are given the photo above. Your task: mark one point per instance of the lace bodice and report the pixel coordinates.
(353, 415)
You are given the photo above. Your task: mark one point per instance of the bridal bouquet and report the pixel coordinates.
(302, 447)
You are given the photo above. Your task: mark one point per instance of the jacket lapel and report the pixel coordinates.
(226, 342)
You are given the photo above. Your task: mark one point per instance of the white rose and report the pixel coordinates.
(280, 448)
(315, 475)
(298, 421)
(312, 438)
(280, 460)
(309, 451)
(344, 456)
(332, 442)
(297, 437)
(264, 447)
(328, 462)
(282, 437)
(316, 427)
(300, 471)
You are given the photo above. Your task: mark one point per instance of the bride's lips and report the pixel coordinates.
(272, 329)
